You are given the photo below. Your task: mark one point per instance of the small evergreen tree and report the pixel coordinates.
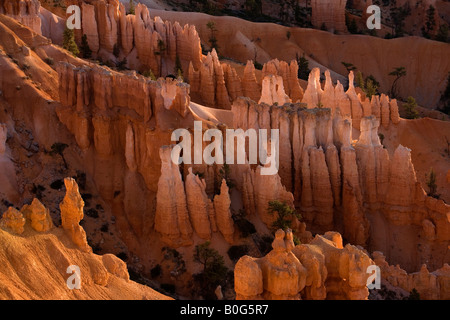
(352, 27)
(284, 212)
(360, 81)
(445, 98)
(371, 87)
(411, 108)
(132, 8)
(178, 68)
(225, 173)
(398, 72)
(211, 25)
(69, 42)
(160, 52)
(85, 50)
(431, 183)
(430, 24)
(303, 67)
(149, 74)
(214, 270)
(442, 34)
(348, 66)
(414, 295)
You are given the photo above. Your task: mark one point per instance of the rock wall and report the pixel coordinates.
(144, 43)
(119, 121)
(322, 269)
(430, 285)
(184, 207)
(25, 11)
(355, 187)
(3, 137)
(330, 13)
(209, 82)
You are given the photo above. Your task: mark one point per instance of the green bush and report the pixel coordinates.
(69, 42)
(284, 214)
(411, 109)
(214, 269)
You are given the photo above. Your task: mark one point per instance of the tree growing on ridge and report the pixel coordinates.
(211, 25)
(398, 72)
(69, 42)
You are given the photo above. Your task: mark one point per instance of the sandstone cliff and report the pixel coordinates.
(184, 207)
(360, 179)
(430, 285)
(25, 11)
(329, 13)
(143, 42)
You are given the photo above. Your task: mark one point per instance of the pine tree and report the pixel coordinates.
(398, 72)
(284, 212)
(411, 109)
(430, 24)
(442, 34)
(360, 81)
(132, 9)
(348, 66)
(69, 41)
(86, 51)
(178, 68)
(211, 25)
(431, 183)
(303, 67)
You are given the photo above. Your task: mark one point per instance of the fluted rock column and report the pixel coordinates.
(172, 218)
(222, 203)
(198, 205)
(72, 213)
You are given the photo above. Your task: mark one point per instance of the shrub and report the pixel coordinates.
(431, 183)
(85, 50)
(69, 42)
(149, 74)
(49, 61)
(414, 295)
(214, 269)
(132, 8)
(284, 212)
(258, 66)
(303, 67)
(411, 109)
